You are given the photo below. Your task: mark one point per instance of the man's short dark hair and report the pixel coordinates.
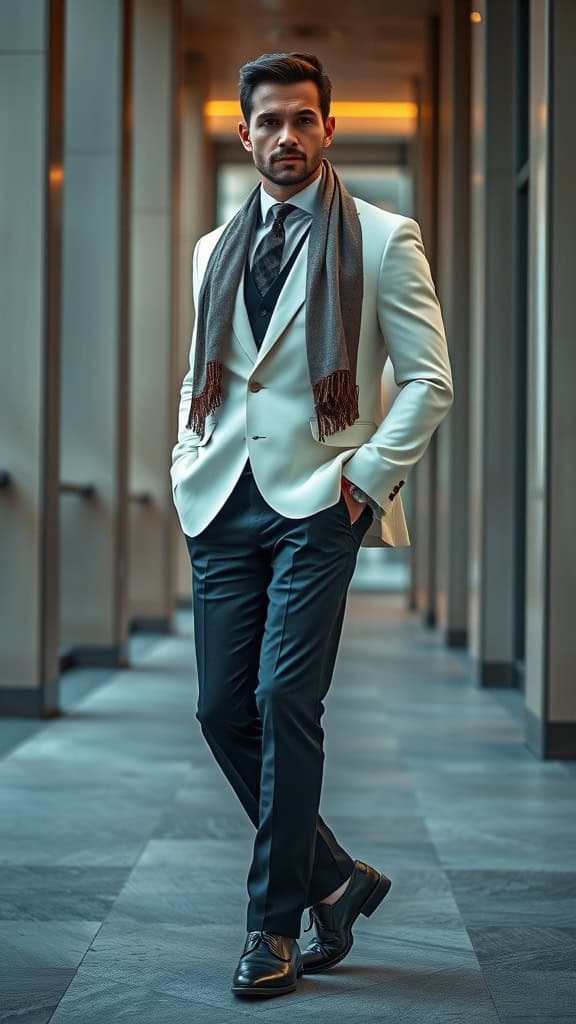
(284, 68)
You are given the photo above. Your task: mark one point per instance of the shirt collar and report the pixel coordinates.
(306, 200)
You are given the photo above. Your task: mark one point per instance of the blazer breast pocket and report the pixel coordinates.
(352, 437)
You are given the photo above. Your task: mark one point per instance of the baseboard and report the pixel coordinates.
(497, 673)
(551, 741)
(456, 638)
(95, 656)
(30, 702)
(150, 624)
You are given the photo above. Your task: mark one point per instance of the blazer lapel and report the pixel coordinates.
(241, 325)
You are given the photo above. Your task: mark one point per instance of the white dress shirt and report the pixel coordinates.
(306, 203)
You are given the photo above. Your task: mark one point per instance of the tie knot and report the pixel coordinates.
(281, 211)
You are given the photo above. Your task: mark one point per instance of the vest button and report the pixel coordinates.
(262, 312)
(255, 386)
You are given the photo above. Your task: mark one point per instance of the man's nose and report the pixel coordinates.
(287, 135)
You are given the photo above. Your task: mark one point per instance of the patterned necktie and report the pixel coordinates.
(268, 255)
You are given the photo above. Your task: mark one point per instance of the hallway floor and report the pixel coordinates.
(124, 853)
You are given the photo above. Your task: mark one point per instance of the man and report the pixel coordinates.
(284, 465)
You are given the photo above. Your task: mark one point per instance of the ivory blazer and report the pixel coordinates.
(267, 412)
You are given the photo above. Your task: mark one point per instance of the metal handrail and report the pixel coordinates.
(84, 490)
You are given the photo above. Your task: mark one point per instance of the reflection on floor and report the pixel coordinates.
(124, 853)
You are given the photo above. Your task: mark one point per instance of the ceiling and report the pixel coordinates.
(373, 50)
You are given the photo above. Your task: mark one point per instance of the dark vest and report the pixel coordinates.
(260, 307)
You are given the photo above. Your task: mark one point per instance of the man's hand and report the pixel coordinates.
(355, 508)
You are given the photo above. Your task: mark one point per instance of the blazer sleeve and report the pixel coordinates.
(186, 437)
(410, 320)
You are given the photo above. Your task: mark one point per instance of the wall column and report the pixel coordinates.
(423, 551)
(31, 117)
(551, 492)
(94, 424)
(194, 204)
(453, 291)
(152, 269)
(493, 372)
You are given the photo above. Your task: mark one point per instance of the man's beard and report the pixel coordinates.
(292, 178)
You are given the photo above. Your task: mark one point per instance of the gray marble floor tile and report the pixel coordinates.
(49, 893)
(406, 947)
(535, 993)
(28, 946)
(554, 1018)
(515, 897)
(194, 823)
(190, 907)
(213, 860)
(526, 948)
(32, 996)
(72, 851)
(104, 1001)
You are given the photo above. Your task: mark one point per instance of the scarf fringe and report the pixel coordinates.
(336, 402)
(208, 400)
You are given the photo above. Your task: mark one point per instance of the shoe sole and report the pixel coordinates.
(372, 901)
(261, 993)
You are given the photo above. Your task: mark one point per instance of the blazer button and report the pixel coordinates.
(391, 496)
(401, 483)
(255, 386)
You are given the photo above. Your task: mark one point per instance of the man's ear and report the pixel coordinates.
(329, 131)
(245, 136)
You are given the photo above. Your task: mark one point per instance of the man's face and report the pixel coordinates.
(286, 135)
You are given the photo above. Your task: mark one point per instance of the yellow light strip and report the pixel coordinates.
(231, 108)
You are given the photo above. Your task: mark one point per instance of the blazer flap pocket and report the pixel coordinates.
(351, 437)
(196, 439)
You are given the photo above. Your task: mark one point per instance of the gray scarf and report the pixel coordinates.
(334, 286)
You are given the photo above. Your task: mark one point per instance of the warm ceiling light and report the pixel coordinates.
(475, 17)
(353, 109)
(55, 175)
(231, 108)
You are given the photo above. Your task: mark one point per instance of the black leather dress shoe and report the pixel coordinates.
(366, 890)
(269, 966)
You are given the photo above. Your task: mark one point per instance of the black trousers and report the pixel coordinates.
(269, 596)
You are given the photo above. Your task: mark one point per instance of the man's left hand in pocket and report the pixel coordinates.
(355, 508)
